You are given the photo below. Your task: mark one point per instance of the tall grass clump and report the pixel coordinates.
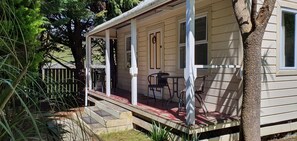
(26, 110)
(187, 137)
(19, 26)
(160, 133)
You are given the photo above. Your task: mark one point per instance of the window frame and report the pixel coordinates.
(179, 45)
(282, 41)
(127, 64)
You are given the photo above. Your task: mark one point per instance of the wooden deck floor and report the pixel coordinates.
(167, 114)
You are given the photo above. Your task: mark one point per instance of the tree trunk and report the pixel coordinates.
(252, 24)
(250, 114)
(79, 76)
(78, 54)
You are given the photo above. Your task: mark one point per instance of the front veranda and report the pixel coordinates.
(147, 110)
(190, 119)
(108, 30)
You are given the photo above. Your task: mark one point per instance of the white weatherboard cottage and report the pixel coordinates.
(190, 38)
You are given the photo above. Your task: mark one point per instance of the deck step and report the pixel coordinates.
(97, 128)
(106, 118)
(114, 109)
(89, 124)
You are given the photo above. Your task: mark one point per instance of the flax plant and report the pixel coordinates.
(160, 133)
(26, 110)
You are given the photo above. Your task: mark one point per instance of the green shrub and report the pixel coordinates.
(160, 133)
(22, 92)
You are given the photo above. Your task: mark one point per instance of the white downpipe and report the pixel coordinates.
(107, 61)
(190, 72)
(133, 69)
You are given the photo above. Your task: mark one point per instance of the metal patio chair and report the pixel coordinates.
(158, 84)
(198, 93)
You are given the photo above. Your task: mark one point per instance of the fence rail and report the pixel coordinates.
(61, 81)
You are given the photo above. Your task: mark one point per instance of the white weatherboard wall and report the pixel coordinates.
(221, 87)
(279, 90)
(224, 88)
(123, 71)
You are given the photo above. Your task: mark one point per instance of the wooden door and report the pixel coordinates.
(155, 55)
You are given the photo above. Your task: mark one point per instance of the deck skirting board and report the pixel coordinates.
(279, 128)
(140, 111)
(228, 125)
(178, 126)
(265, 131)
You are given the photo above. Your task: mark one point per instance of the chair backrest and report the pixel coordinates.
(202, 84)
(161, 80)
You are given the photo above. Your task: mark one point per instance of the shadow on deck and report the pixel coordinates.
(147, 110)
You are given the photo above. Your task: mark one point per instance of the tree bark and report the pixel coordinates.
(252, 26)
(250, 113)
(78, 54)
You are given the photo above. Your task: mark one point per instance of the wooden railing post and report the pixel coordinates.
(190, 70)
(107, 61)
(133, 69)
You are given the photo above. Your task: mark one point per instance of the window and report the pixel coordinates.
(201, 53)
(288, 40)
(128, 50)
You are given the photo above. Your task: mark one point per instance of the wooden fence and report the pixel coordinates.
(61, 81)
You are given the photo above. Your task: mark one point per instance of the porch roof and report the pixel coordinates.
(141, 8)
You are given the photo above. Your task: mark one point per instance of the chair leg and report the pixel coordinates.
(170, 94)
(180, 101)
(148, 95)
(182, 94)
(154, 94)
(203, 106)
(169, 91)
(203, 103)
(162, 95)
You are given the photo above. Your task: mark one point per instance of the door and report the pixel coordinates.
(155, 56)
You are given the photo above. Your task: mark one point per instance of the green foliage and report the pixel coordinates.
(190, 138)
(69, 20)
(117, 7)
(160, 133)
(21, 91)
(20, 24)
(23, 102)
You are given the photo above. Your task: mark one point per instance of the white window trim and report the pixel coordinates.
(127, 52)
(281, 60)
(196, 42)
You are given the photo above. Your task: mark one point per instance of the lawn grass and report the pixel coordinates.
(65, 56)
(131, 135)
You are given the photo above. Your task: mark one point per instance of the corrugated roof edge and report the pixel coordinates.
(141, 8)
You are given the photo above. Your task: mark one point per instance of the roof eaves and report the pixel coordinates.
(143, 7)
